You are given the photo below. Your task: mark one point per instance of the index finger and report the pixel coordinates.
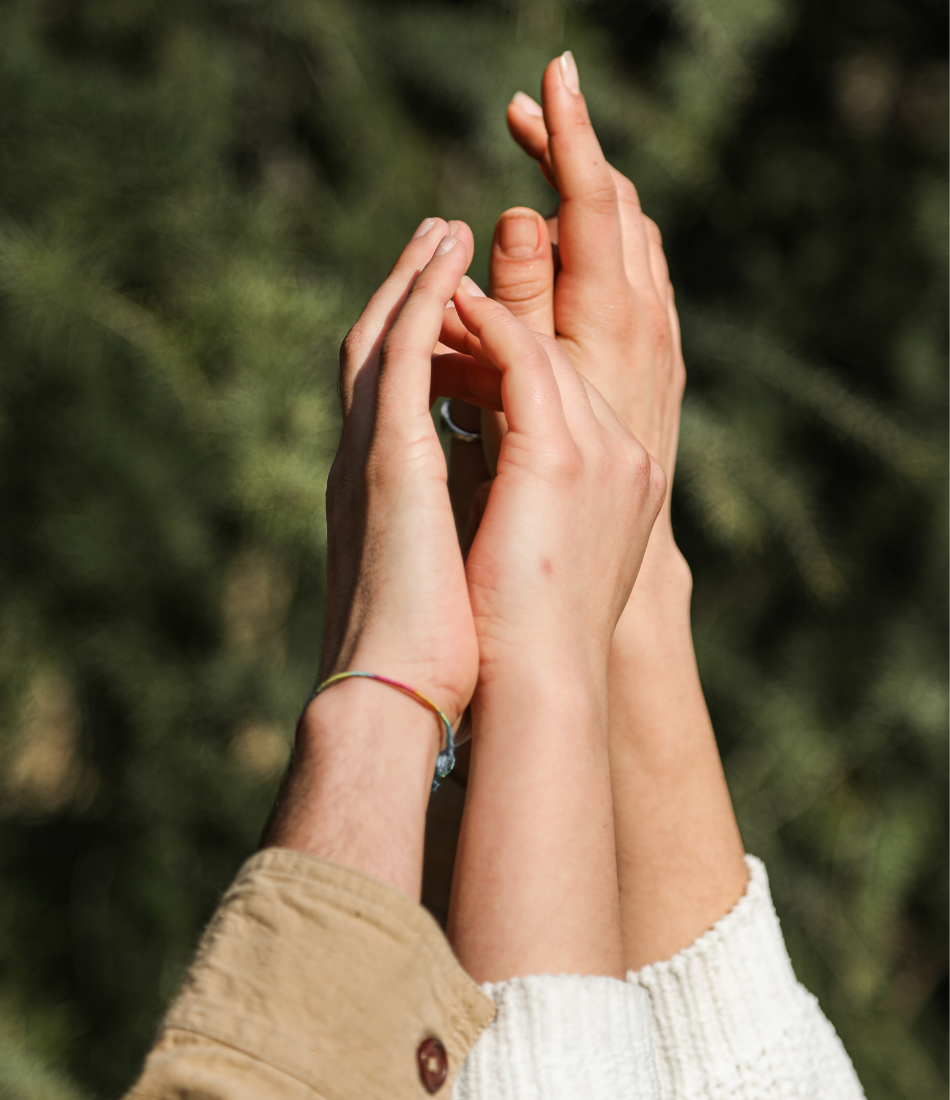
(364, 340)
(589, 210)
(529, 388)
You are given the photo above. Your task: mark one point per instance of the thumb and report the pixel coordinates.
(521, 277)
(521, 268)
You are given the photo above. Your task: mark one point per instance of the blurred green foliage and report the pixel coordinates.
(196, 198)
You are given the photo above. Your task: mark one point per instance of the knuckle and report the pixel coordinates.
(658, 485)
(601, 197)
(520, 287)
(653, 231)
(640, 463)
(633, 466)
(627, 193)
(352, 346)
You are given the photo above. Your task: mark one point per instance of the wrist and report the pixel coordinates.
(443, 668)
(540, 658)
(540, 693)
(359, 782)
(359, 719)
(660, 601)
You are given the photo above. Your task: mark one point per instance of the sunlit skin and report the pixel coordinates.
(397, 597)
(530, 615)
(611, 308)
(540, 615)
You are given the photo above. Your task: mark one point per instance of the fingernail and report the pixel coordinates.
(527, 104)
(469, 286)
(518, 235)
(569, 72)
(446, 245)
(424, 227)
(453, 227)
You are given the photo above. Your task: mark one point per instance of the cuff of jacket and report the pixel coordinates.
(560, 1038)
(727, 998)
(328, 977)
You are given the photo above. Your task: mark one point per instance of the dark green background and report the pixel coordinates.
(195, 198)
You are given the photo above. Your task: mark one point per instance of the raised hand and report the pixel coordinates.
(398, 601)
(605, 293)
(570, 510)
(397, 598)
(550, 570)
(611, 303)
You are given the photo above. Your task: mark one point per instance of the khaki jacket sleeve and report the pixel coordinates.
(313, 980)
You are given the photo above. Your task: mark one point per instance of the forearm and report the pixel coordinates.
(535, 888)
(359, 783)
(680, 856)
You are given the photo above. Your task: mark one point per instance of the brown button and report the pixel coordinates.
(433, 1064)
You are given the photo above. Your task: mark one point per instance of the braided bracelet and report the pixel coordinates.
(445, 761)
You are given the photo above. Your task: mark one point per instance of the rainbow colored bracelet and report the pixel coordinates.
(445, 761)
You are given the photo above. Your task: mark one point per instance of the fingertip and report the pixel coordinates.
(526, 104)
(434, 227)
(419, 249)
(424, 226)
(463, 232)
(519, 233)
(469, 288)
(561, 96)
(567, 69)
(527, 129)
(551, 86)
(446, 245)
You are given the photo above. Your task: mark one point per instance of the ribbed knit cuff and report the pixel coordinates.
(729, 1017)
(563, 1038)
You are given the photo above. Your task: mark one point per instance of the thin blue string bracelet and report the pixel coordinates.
(445, 761)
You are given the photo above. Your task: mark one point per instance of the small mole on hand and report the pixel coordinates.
(546, 567)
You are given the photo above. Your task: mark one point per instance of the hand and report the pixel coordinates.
(571, 507)
(359, 782)
(565, 525)
(397, 598)
(610, 302)
(611, 305)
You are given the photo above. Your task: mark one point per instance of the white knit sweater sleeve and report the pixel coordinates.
(563, 1038)
(731, 1022)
